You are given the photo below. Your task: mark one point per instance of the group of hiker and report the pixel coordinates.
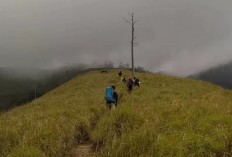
(111, 96)
(130, 83)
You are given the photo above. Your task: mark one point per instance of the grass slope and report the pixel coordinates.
(166, 116)
(18, 91)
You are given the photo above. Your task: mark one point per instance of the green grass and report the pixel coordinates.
(166, 116)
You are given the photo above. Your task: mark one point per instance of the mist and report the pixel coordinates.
(180, 37)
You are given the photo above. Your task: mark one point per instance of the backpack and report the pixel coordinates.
(109, 93)
(137, 81)
(130, 82)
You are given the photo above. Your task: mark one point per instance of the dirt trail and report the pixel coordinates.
(84, 150)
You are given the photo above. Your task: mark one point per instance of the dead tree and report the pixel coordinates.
(132, 23)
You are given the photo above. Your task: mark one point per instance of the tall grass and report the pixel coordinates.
(166, 116)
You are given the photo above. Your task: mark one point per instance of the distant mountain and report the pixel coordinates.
(17, 85)
(220, 75)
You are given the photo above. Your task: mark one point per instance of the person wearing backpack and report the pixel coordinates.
(137, 82)
(123, 79)
(111, 97)
(130, 84)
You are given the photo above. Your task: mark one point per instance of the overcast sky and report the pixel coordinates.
(177, 36)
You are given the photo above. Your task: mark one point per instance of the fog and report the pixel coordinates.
(181, 37)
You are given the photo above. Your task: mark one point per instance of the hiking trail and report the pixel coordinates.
(84, 150)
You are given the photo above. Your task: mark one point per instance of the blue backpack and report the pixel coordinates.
(109, 94)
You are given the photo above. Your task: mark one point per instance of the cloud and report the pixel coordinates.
(181, 37)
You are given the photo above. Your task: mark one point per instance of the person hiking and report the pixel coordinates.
(115, 96)
(111, 97)
(137, 82)
(123, 79)
(130, 84)
(120, 74)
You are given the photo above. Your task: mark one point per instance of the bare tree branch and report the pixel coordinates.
(126, 20)
(131, 15)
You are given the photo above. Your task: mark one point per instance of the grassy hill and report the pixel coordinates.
(18, 90)
(166, 116)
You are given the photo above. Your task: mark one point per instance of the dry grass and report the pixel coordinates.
(166, 116)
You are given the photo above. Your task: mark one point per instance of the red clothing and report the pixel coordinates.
(130, 82)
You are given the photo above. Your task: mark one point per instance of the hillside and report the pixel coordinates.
(15, 91)
(220, 75)
(17, 85)
(166, 116)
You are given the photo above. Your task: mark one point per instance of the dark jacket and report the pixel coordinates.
(120, 74)
(136, 81)
(115, 96)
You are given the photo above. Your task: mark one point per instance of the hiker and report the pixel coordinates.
(120, 74)
(111, 97)
(115, 96)
(123, 79)
(129, 84)
(137, 82)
